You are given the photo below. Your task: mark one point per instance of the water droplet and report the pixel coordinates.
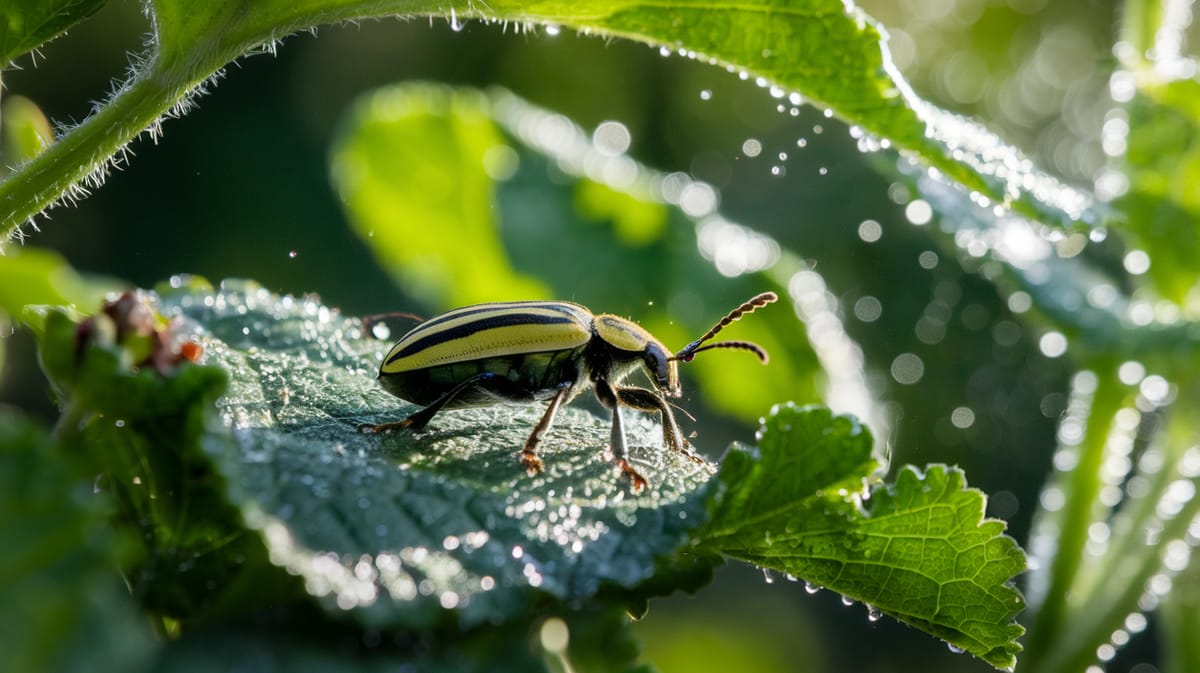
(873, 614)
(768, 576)
(293, 254)
(955, 648)
(554, 635)
(706, 94)
(811, 588)
(847, 601)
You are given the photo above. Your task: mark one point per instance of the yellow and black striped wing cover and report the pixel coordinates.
(490, 330)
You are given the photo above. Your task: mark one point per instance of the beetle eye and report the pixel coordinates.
(657, 362)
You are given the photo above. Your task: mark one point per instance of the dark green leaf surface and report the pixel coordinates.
(26, 24)
(65, 607)
(409, 528)
(918, 549)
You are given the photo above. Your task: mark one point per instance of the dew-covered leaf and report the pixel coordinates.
(65, 606)
(918, 549)
(409, 528)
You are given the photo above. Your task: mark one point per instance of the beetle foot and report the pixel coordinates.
(372, 429)
(691, 454)
(533, 464)
(637, 483)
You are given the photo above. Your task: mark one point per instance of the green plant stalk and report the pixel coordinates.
(1139, 21)
(1094, 622)
(1133, 519)
(1081, 488)
(1100, 600)
(1181, 621)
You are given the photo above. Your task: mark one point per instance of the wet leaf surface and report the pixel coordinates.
(402, 528)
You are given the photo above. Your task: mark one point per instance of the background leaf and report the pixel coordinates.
(515, 180)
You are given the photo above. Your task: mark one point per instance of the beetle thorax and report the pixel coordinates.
(619, 347)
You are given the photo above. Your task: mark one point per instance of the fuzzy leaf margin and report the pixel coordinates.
(918, 549)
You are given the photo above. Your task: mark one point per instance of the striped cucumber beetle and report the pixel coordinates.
(527, 351)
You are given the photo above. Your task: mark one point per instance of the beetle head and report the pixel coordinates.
(633, 343)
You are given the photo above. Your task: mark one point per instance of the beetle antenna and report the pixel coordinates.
(738, 345)
(689, 351)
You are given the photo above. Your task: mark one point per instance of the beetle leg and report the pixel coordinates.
(419, 419)
(608, 397)
(647, 400)
(528, 457)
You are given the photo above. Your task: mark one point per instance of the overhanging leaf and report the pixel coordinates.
(827, 51)
(917, 549)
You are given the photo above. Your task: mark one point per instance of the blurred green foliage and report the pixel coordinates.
(239, 188)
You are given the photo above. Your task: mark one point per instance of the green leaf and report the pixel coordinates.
(142, 424)
(917, 549)
(412, 528)
(1161, 161)
(65, 605)
(31, 275)
(26, 24)
(1162, 164)
(24, 131)
(411, 166)
(1181, 619)
(827, 51)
